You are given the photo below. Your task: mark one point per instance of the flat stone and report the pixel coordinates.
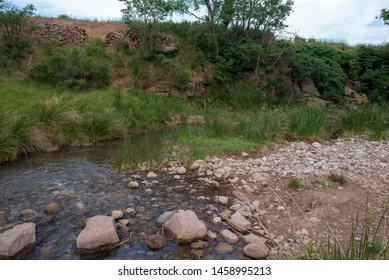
(239, 223)
(16, 240)
(156, 242)
(256, 250)
(152, 175)
(224, 248)
(99, 234)
(244, 154)
(252, 238)
(186, 227)
(130, 211)
(229, 236)
(199, 244)
(124, 222)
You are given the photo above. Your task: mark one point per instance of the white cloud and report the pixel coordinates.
(350, 20)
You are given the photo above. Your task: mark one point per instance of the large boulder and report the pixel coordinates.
(186, 227)
(308, 86)
(354, 97)
(99, 234)
(16, 240)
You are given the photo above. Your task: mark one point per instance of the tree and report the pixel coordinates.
(385, 16)
(13, 20)
(15, 26)
(146, 13)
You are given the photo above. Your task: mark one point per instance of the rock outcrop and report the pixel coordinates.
(63, 35)
(99, 234)
(16, 240)
(186, 227)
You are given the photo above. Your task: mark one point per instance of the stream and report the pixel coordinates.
(85, 181)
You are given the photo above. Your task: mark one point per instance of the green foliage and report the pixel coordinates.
(373, 118)
(337, 178)
(15, 26)
(308, 122)
(321, 63)
(295, 184)
(181, 75)
(78, 67)
(385, 16)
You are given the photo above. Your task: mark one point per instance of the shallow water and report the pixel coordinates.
(85, 182)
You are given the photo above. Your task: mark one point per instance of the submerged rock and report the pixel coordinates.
(156, 242)
(224, 248)
(52, 208)
(165, 217)
(186, 227)
(16, 240)
(99, 234)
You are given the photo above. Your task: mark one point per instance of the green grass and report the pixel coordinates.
(72, 117)
(337, 178)
(295, 184)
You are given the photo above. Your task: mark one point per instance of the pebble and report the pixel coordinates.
(223, 200)
(181, 170)
(133, 184)
(216, 221)
(151, 175)
(229, 236)
(211, 235)
(117, 214)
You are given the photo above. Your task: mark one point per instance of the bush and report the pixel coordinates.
(78, 68)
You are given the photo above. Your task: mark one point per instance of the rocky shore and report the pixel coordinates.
(255, 209)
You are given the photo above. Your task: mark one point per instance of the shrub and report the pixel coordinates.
(78, 68)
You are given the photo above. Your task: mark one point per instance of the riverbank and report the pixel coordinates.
(43, 119)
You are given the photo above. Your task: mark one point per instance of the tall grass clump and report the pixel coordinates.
(54, 111)
(371, 118)
(265, 125)
(16, 137)
(308, 122)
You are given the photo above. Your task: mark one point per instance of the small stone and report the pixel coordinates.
(130, 211)
(216, 220)
(124, 222)
(198, 253)
(316, 145)
(256, 250)
(229, 236)
(199, 244)
(244, 154)
(314, 219)
(223, 200)
(234, 180)
(252, 238)
(235, 207)
(281, 208)
(117, 214)
(52, 208)
(152, 175)
(156, 242)
(181, 170)
(224, 248)
(133, 184)
(211, 235)
(225, 215)
(177, 177)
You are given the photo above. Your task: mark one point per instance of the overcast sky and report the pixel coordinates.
(349, 20)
